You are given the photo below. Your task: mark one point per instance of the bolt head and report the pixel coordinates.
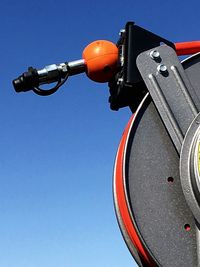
(162, 68)
(154, 54)
(120, 81)
(122, 31)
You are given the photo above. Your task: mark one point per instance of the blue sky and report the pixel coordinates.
(57, 153)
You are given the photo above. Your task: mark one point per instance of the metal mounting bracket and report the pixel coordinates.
(169, 88)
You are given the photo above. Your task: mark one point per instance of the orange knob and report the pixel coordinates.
(101, 59)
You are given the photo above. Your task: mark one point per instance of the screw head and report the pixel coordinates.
(120, 81)
(162, 69)
(154, 54)
(122, 31)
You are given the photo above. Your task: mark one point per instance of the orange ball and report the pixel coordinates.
(101, 59)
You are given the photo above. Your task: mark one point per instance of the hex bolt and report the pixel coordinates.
(162, 69)
(154, 54)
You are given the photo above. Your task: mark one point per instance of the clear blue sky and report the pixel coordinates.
(57, 153)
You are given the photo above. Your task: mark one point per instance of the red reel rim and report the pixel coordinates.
(121, 199)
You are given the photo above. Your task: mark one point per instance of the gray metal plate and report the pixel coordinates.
(153, 186)
(170, 89)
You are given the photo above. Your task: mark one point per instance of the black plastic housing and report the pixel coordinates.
(127, 87)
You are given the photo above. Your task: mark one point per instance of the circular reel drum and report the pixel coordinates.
(156, 222)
